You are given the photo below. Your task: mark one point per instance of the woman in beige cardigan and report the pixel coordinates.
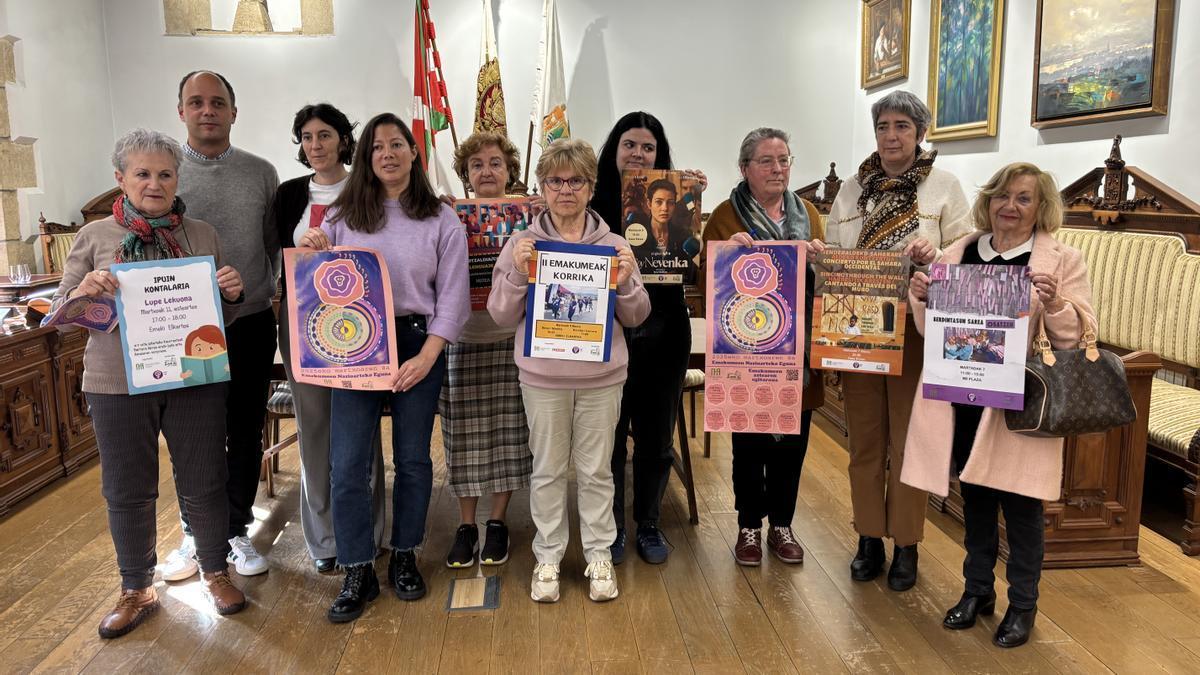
(1016, 212)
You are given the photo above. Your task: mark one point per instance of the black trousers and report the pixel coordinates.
(1023, 520)
(766, 475)
(192, 421)
(251, 340)
(658, 357)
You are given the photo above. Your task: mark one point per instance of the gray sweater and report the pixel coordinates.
(233, 194)
(94, 249)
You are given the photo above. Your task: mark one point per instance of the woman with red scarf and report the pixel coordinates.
(148, 224)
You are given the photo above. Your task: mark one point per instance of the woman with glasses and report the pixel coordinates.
(898, 201)
(766, 467)
(658, 349)
(572, 406)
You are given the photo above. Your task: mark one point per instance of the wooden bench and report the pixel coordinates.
(1143, 254)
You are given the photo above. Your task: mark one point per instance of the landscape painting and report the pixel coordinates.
(1100, 60)
(965, 48)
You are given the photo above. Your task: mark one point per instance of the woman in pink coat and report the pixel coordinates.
(1016, 213)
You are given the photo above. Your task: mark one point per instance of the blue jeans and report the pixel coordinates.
(353, 426)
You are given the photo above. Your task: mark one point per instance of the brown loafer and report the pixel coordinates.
(133, 608)
(226, 597)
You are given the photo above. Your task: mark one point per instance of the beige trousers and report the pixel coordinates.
(566, 424)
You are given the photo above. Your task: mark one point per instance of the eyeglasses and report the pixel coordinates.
(555, 184)
(784, 162)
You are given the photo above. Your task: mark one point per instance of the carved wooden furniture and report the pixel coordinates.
(822, 193)
(1140, 251)
(57, 240)
(45, 431)
(100, 207)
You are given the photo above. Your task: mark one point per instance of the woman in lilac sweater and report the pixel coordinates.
(388, 205)
(572, 406)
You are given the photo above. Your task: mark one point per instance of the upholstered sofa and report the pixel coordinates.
(1146, 289)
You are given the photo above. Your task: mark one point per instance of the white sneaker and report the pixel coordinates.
(245, 560)
(545, 583)
(604, 584)
(181, 563)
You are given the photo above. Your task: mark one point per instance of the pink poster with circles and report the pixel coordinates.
(754, 363)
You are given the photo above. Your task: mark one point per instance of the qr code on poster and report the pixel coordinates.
(792, 374)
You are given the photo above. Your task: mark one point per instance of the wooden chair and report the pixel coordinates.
(57, 240)
(683, 460)
(693, 383)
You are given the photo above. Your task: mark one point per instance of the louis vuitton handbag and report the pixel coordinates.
(1072, 391)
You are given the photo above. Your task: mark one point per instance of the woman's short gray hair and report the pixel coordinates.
(905, 103)
(752, 139)
(148, 141)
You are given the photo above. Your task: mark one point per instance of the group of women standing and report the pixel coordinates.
(509, 421)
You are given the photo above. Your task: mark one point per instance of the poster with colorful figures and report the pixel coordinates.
(489, 223)
(754, 362)
(342, 318)
(976, 335)
(171, 323)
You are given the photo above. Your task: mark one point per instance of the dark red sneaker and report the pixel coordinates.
(784, 545)
(748, 551)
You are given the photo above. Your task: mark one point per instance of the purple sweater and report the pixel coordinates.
(427, 261)
(506, 304)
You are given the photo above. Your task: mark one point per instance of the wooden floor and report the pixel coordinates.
(698, 613)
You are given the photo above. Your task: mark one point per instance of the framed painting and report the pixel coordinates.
(965, 47)
(1101, 60)
(885, 29)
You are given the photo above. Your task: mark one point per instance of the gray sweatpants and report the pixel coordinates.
(192, 420)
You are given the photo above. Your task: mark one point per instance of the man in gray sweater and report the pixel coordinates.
(231, 190)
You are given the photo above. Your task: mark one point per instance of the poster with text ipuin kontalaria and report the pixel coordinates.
(976, 334)
(754, 361)
(171, 323)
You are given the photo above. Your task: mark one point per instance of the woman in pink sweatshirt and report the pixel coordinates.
(572, 406)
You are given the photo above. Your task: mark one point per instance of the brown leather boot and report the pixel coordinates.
(133, 607)
(224, 595)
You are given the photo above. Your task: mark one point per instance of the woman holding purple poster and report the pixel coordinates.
(1015, 214)
(766, 467)
(389, 206)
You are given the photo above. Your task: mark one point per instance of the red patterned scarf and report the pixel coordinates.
(143, 230)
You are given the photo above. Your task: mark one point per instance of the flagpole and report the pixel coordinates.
(437, 63)
(528, 150)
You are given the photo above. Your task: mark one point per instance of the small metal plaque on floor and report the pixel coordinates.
(473, 593)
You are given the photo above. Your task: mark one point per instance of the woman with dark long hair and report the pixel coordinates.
(658, 348)
(388, 205)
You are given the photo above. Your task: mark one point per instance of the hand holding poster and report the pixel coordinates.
(859, 307)
(754, 364)
(172, 328)
(976, 334)
(341, 318)
(489, 223)
(572, 297)
(660, 214)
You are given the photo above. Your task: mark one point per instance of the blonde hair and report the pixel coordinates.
(570, 152)
(1050, 204)
(476, 142)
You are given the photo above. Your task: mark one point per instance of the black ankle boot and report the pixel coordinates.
(1014, 630)
(969, 607)
(903, 573)
(359, 587)
(404, 576)
(868, 562)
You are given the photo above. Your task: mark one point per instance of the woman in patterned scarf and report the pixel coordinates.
(897, 202)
